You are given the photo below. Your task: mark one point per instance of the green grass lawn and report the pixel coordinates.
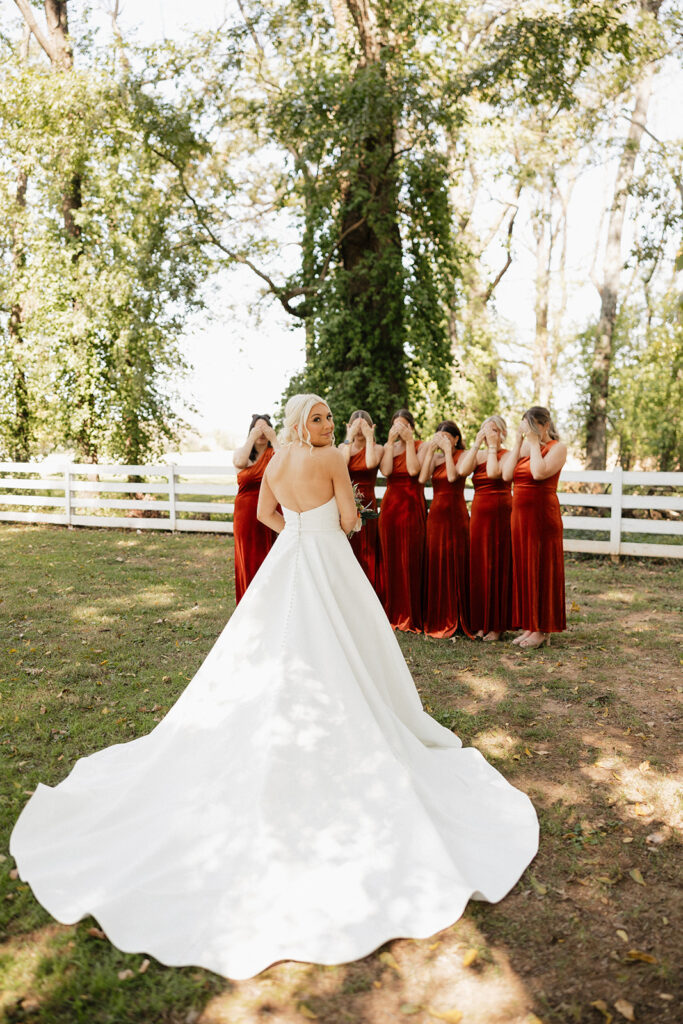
(102, 629)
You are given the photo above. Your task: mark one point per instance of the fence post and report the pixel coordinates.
(616, 510)
(67, 495)
(171, 495)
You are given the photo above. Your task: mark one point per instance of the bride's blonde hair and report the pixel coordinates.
(297, 411)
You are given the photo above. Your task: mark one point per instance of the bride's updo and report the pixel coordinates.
(297, 411)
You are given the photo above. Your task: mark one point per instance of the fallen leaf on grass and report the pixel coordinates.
(451, 1016)
(305, 1011)
(531, 1018)
(625, 1008)
(14, 874)
(125, 975)
(435, 945)
(96, 933)
(637, 954)
(635, 874)
(601, 1005)
(390, 961)
(622, 934)
(469, 957)
(143, 966)
(409, 1008)
(537, 886)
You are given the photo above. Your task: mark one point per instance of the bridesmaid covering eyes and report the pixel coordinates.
(253, 540)
(446, 575)
(402, 521)
(534, 465)
(490, 542)
(363, 456)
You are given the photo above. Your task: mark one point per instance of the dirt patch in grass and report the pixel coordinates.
(102, 630)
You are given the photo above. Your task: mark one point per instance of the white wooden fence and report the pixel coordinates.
(194, 498)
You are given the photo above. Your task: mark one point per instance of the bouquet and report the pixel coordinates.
(364, 511)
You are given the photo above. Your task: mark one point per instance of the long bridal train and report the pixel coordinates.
(295, 803)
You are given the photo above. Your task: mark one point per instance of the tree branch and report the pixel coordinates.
(283, 295)
(29, 17)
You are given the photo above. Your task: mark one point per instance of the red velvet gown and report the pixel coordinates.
(537, 555)
(365, 544)
(253, 540)
(490, 552)
(447, 569)
(401, 535)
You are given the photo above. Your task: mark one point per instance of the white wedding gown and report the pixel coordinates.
(295, 803)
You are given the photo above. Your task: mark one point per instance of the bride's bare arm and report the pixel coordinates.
(343, 491)
(267, 504)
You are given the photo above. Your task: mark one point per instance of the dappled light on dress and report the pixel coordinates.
(295, 803)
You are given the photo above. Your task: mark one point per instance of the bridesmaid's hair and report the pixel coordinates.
(454, 430)
(406, 415)
(499, 422)
(538, 416)
(253, 454)
(361, 414)
(297, 411)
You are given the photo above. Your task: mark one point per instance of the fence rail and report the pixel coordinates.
(174, 497)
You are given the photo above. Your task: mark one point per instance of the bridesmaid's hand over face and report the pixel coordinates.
(404, 430)
(367, 430)
(522, 432)
(269, 433)
(492, 434)
(352, 430)
(480, 438)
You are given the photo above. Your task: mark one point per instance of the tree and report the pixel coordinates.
(608, 287)
(105, 269)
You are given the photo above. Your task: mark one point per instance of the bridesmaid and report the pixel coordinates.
(490, 541)
(446, 575)
(534, 464)
(253, 540)
(402, 525)
(363, 456)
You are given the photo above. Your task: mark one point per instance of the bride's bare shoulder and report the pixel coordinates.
(332, 456)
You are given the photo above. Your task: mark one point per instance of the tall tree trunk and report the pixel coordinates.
(541, 370)
(596, 419)
(20, 450)
(54, 40)
(20, 429)
(371, 249)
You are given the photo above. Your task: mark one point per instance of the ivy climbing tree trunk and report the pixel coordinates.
(54, 39)
(370, 352)
(19, 413)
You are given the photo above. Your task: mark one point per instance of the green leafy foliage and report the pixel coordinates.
(103, 306)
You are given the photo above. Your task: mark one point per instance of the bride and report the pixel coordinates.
(296, 802)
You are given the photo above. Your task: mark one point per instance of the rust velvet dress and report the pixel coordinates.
(365, 543)
(537, 554)
(447, 572)
(490, 552)
(253, 540)
(402, 536)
